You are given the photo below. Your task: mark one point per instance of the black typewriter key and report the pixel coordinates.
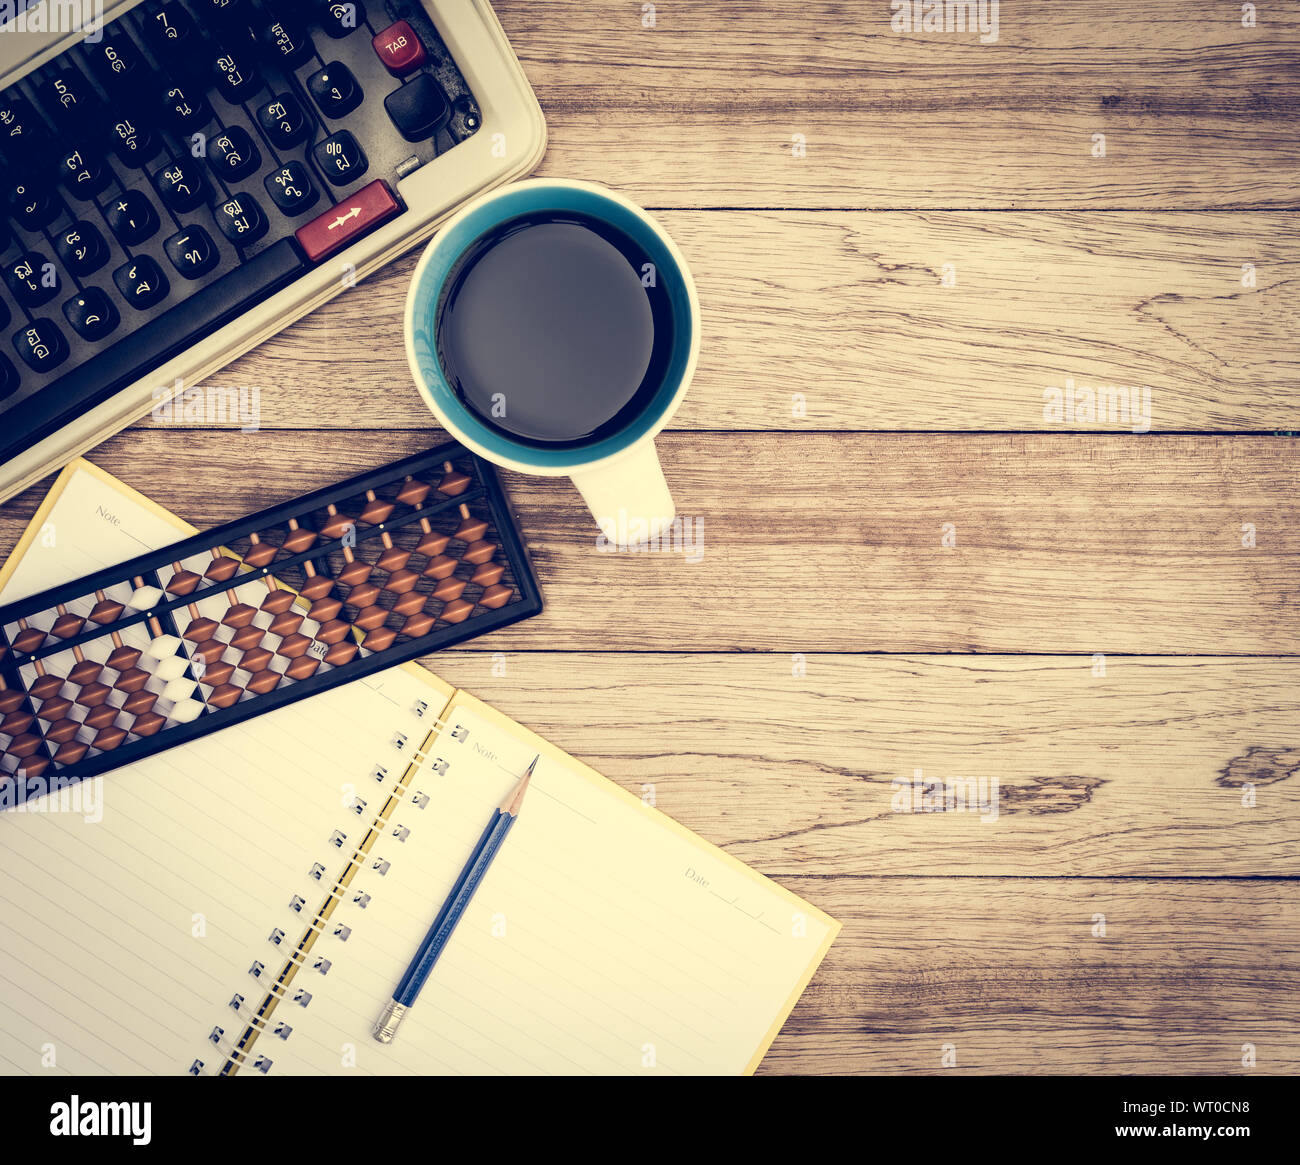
(132, 140)
(241, 220)
(334, 89)
(285, 43)
(185, 109)
(340, 18)
(290, 188)
(181, 185)
(82, 248)
(22, 131)
(340, 158)
(232, 154)
(131, 217)
(67, 98)
(173, 36)
(33, 204)
(32, 279)
(91, 314)
(418, 109)
(236, 75)
(283, 121)
(192, 252)
(224, 12)
(117, 61)
(141, 282)
(9, 379)
(84, 173)
(41, 345)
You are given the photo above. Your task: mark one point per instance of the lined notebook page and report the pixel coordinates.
(604, 938)
(132, 913)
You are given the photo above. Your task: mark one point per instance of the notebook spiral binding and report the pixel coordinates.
(274, 976)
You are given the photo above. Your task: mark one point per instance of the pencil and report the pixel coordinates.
(503, 817)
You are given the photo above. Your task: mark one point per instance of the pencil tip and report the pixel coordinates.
(517, 797)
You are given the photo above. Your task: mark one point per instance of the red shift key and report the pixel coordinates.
(339, 225)
(400, 49)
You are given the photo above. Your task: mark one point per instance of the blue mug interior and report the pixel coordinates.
(510, 204)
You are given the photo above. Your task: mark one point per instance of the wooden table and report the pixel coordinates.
(914, 562)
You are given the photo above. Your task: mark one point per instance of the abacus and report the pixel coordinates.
(254, 614)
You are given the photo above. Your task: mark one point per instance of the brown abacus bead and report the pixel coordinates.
(454, 483)
(131, 680)
(10, 699)
(225, 695)
(401, 581)
(260, 554)
(333, 631)
(257, 660)
(363, 595)
(478, 552)
(138, 703)
(147, 724)
(55, 708)
(450, 588)
(17, 722)
(418, 625)
(123, 658)
(201, 629)
(106, 611)
(336, 525)
(216, 674)
(340, 653)
(263, 682)
(67, 625)
(440, 567)
(183, 582)
(413, 492)
(286, 623)
(221, 569)
(246, 638)
(33, 766)
(28, 639)
(62, 730)
(43, 687)
(239, 615)
(84, 671)
(297, 539)
(370, 618)
(302, 667)
(210, 650)
(107, 739)
(471, 529)
(394, 558)
(431, 545)
(24, 745)
(488, 574)
(377, 510)
(93, 694)
(277, 602)
(294, 646)
(316, 587)
(409, 603)
(71, 752)
(354, 572)
(380, 639)
(101, 716)
(323, 610)
(496, 596)
(457, 611)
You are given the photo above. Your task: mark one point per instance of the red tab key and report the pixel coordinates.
(352, 217)
(400, 48)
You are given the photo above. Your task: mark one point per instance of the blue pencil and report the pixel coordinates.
(461, 893)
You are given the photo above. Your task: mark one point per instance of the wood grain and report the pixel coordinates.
(701, 110)
(1168, 767)
(849, 313)
(1010, 972)
(832, 542)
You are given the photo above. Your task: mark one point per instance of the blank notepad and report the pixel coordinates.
(248, 901)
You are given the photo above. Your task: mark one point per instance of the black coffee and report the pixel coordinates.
(554, 329)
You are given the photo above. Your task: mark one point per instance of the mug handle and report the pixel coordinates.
(629, 498)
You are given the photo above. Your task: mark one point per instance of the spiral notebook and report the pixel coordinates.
(246, 902)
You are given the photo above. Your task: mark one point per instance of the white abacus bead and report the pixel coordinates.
(171, 668)
(179, 689)
(186, 710)
(142, 598)
(163, 647)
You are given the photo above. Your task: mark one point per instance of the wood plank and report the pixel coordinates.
(701, 110)
(850, 311)
(1009, 972)
(1159, 767)
(833, 542)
